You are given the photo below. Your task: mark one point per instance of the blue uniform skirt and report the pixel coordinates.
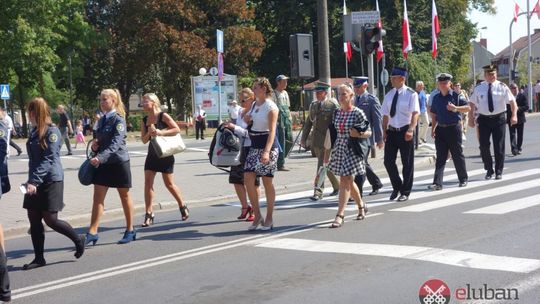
(113, 175)
(49, 197)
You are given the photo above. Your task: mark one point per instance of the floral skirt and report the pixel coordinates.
(253, 163)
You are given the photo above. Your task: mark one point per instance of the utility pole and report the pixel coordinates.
(70, 87)
(529, 60)
(323, 41)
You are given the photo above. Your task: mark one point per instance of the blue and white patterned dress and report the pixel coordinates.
(343, 161)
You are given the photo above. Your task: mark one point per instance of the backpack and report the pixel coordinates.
(225, 149)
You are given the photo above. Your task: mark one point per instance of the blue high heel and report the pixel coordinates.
(128, 237)
(91, 238)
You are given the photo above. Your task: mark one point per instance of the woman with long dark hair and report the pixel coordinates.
(44, 196)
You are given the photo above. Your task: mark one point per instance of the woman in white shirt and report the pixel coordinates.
(262, 157)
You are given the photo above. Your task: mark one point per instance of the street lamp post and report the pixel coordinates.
(70, 86)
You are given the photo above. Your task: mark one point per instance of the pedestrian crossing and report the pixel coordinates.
(478, 191)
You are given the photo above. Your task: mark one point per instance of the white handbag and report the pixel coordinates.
(168, 145)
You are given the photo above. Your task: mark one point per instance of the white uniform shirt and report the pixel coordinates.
(501, 97)
(537, 88)
(407, 103)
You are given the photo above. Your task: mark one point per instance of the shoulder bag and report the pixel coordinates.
(86, 170)
(168, 145)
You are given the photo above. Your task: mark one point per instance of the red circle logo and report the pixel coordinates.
(434, 291)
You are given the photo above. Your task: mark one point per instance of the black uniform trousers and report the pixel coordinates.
(395, 141)
(372, 178)
(5, 291)
(516, 137)
(199, 129)
(492, 126)
(449, 139)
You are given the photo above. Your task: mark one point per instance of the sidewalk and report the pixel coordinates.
(201, 185)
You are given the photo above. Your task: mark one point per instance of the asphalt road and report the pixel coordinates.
(475, 239)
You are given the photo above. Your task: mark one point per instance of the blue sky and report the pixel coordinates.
(497, 32)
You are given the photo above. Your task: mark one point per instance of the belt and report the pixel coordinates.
(494, 115)
(447, 125)
(394, 129)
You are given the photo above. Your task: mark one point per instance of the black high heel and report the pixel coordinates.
(337, 223)
(79, 246)
(148, 219)
(362, 211)
(184, 210)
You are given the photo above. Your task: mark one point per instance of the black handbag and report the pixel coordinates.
(360, 146)
(86, 170)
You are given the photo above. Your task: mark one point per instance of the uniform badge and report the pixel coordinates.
(53, 138)
(120, 127)
(2, 133)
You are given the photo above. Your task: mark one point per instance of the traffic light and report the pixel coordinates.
(370, 39)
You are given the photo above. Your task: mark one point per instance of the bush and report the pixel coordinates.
(135, 121)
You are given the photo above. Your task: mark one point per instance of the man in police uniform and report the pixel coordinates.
(369, 103)
(321, 112)
(400, 115)
(489, 99)
(284, 124)
(446, 112)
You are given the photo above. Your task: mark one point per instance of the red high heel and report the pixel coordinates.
(245, 212)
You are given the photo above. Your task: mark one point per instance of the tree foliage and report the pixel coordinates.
(157, 45)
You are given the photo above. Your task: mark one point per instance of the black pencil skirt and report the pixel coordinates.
(113, 175)
(49, 197)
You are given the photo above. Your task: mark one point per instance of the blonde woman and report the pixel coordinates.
(158, 123)
(261, 159)
(112, 162)
(344, 162)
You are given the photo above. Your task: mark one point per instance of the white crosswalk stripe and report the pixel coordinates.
(507, 207)
(485, 194)
(458, 258)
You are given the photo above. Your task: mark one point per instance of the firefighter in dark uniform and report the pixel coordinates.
(446, 110)
(321, 112)
(371, 106)
(400, 111)
(489, 100)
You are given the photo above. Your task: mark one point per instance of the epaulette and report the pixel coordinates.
(411, 90)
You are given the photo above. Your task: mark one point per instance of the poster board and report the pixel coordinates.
(204, 91)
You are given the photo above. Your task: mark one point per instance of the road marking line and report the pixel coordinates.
(197, 149)
(511, 206)
(169, 258)
(425, 254)
(471, 185)
(469, 197)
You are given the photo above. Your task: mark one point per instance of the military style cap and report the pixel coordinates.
(321, 86)
(281, 77)
(399, 71)
(444, 77)
(359, 80)
(490, 68)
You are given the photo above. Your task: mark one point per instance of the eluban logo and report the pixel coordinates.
(434, 292)
(486, 293)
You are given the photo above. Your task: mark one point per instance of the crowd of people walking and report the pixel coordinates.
(342, 134)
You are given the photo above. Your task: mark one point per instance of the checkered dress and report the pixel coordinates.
(343, 161)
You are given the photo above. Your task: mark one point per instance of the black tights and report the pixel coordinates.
(38, 232)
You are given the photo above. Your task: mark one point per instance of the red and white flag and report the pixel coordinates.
(407, 45)
(435, 29)
(536, 9)
(380, 50)
(348, 50)
(516, 11)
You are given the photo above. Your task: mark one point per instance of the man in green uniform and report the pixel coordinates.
(321, 111)
(284, 124)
